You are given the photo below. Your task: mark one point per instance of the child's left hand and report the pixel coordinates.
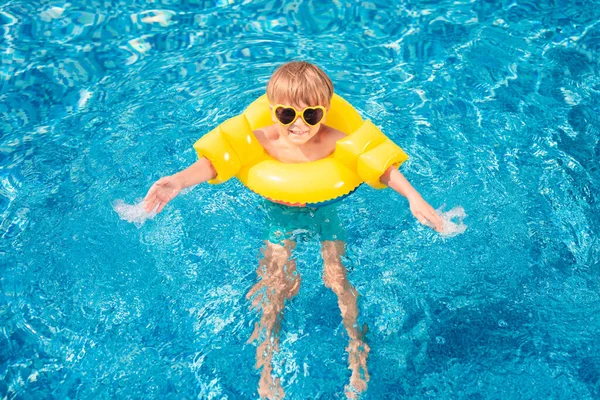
(425, 213)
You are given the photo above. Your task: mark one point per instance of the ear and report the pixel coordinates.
(272, 114)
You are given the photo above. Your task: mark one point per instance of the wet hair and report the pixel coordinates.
(300, 82)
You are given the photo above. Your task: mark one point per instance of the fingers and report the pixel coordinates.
(150, 193)
(155, 186)
(150, 199)
(158, 200)
(439, 224)
(148, 207)
(435, 220)
(431, 219)
(422, 219)
(156, 196)
(150, 203)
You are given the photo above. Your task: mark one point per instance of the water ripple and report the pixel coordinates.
(494, 101)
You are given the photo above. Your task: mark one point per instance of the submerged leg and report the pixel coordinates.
(278, 280)
(334, 277)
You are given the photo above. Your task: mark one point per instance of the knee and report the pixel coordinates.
(292, 285)
(337, 288)
(334, 277)
(279, 273)
(277, 254)
(332, 251)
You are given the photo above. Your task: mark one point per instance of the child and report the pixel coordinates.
(298, 85)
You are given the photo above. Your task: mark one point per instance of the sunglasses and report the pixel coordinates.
(287, 115)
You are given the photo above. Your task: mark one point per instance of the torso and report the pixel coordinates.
(320, 146)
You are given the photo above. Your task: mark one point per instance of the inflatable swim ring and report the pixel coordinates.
(362, 156)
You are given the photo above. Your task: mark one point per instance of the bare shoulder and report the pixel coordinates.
(265, 135)
(332, 134)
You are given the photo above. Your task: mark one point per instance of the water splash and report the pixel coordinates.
(452, 221)
(134, 213)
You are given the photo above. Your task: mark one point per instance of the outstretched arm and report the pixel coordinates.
(167, 188)
(418, 206)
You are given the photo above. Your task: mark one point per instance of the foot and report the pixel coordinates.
(269, 388)
(358, 351)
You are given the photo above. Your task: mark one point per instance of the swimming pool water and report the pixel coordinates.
(496, 102)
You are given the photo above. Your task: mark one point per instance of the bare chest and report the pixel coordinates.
(295, 155)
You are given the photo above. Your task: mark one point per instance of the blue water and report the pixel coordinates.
(496, 102)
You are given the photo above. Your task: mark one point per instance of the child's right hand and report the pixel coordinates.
(162, 191)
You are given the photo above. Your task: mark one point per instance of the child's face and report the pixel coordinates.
(298, 132)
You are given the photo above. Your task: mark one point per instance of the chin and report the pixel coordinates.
(299, 139)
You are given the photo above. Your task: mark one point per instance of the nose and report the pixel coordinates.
(299, 123)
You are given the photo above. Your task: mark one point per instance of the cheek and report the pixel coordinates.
(315, 129)
(282, 130)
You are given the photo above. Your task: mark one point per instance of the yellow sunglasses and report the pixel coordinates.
(286, 115)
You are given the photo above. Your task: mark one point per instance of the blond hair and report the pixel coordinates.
(300, 82)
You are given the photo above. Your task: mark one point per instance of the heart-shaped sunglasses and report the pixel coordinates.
(286, 115)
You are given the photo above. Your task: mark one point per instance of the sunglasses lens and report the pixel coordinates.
(313, 116)
(285, 115)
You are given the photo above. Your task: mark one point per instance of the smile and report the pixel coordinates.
(297, 132)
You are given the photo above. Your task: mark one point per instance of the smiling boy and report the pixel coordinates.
(299, 94)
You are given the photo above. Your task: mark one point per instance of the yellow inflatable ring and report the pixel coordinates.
(362, 156)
